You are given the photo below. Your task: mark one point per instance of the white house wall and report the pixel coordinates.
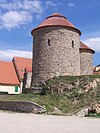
(10, 89)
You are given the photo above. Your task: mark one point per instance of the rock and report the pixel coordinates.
(22, 106)
(75, 101)
(57, 111)
(83, 112)
(96, 107)
(93, 84)
(54, 89)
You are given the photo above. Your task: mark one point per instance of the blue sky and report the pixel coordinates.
(19, 17)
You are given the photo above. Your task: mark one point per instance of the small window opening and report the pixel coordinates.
(16, 88)
(72, 44)
(62, 33)
(48, 42)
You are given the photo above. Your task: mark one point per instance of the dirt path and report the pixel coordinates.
(31, 123)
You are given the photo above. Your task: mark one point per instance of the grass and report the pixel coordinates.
(61, 79)
(94, 115)
(70, 101)
(50, 101)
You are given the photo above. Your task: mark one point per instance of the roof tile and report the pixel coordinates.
(8, 74)
(28, 69)
(84, 46)
(20, 65)
(56, 19)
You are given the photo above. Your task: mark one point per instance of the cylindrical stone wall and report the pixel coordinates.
(55, 53)
(86, 62)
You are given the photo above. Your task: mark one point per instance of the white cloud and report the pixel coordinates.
(13, 19)
(50, 3)
(93, 43)
(8, 6)
(9, 54)
(34, 6)
(70, 5)
(17, 13)
(29, 5)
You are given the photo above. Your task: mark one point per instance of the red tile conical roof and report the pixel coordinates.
(56, 19)
(84, 46)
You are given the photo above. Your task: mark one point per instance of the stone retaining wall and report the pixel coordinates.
(21, 106)
(34, 90)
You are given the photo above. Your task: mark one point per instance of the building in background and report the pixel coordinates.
(86, 59)
(27, 78)
(9, 83)
(96, 70)
(15, 75)
(57, 50)
(20, 65)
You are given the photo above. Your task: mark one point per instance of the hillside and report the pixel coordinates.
(65, 95)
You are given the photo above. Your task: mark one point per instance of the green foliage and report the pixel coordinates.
(69, 101)
(94, 76)
(61, 79)
(95, 115)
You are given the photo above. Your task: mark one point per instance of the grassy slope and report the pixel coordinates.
(69, 102)
(49, 101)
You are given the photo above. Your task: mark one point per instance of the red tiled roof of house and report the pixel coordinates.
(84, 46)
(20, 65)
(56, 19)
(7, 74)
(96, 72)
(28, 69)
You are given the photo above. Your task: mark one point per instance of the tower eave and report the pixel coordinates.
(77, 30)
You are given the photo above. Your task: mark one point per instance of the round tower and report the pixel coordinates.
(86, 59)
(56, 46)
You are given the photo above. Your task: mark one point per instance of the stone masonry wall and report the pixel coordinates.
(86, 62)
(55, 53)
(28, 78)
(21, 106)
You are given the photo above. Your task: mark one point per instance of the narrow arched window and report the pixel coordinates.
(72, 44)
(48, 42)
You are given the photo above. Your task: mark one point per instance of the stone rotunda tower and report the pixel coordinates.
(56, 46)
(86, 59)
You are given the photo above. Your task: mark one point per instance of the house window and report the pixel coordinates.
(72, 44)
(2, 92)
(48, 42)
(16, 88)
